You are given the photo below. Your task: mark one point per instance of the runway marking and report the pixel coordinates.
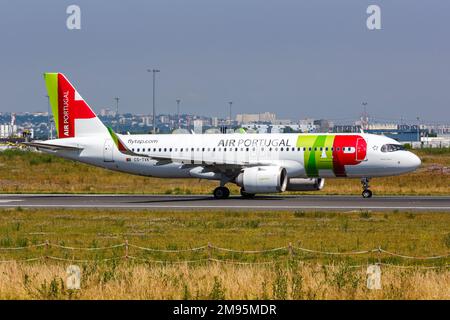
(284, 196)
(226, 207)
(9, 200)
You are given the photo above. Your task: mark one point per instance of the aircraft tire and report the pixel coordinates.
(221, 193)
(367, 194)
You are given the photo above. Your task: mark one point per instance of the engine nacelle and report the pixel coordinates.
(266, 179)
(308, 184)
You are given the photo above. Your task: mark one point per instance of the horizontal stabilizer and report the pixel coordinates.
(53, 147)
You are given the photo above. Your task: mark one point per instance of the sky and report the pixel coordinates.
(296, 58)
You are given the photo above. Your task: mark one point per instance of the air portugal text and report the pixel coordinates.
(254, 143)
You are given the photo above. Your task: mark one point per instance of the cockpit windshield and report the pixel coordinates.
(392, 147)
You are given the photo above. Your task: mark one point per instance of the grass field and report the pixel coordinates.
(301, 275)
(30, 172)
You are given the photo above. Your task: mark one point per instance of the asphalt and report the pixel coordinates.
(196, 202)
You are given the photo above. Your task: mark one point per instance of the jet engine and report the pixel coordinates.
(302, 184)
(265, 179)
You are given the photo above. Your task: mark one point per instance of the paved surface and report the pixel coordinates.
(170, 202)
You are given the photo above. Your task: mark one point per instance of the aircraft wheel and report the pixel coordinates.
(246, 195)
(221, 193)
(367, 193)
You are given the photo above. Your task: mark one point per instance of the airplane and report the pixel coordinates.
(257, 163)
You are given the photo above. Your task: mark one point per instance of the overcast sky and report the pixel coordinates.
(295, 58)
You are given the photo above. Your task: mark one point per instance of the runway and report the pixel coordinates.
(205, 202)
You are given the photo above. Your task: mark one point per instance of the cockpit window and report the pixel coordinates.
(392, 147)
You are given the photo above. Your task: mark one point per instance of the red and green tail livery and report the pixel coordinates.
(73, 116)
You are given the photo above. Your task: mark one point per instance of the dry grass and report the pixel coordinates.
(418, 234)
(216, 281)
(299, 277)
(48, 174)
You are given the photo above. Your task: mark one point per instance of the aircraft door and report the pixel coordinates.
(361, 149)
(108, 151)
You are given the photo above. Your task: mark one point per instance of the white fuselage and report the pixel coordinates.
(191, 153)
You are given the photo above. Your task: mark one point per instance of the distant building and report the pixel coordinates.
(7, 130)
(255, 117)
(198, 126)
(401, 133)
(323, 125)
(307, 125)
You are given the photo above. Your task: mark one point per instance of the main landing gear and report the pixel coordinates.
(246, 195)
(221, 193)
(366, 191)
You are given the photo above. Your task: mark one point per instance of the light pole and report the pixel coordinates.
(49, 136)
(418, 129)
(117, 113)
(230, 103)
(365, 118)
(154, 71)
(178, 112)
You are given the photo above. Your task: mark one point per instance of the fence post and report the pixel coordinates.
(126, 249)
(47, 245)
(291, 251)
(209, 251)
(379, 255)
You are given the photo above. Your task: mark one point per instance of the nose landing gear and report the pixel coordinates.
(366, 191)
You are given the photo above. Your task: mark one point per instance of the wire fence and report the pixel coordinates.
(291, 251)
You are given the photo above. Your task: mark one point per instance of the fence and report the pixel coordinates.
(290, 249)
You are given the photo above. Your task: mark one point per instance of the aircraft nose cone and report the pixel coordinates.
(414, 161)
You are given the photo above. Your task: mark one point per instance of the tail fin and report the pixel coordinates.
(73, 116)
